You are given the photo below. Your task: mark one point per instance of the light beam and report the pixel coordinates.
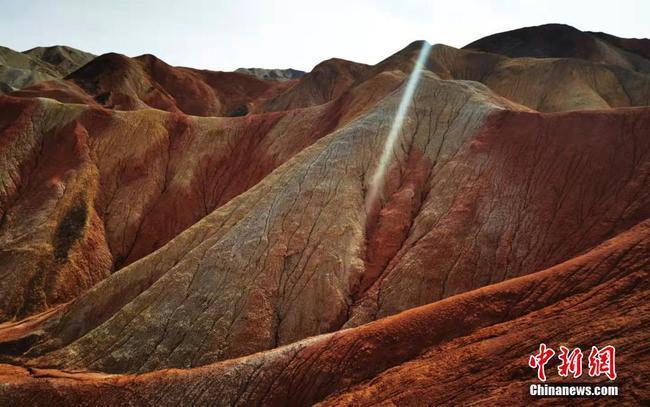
(378, 178)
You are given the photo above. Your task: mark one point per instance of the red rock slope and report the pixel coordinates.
(296, 256)
(467, 349)
(133, 181)
(252, 253)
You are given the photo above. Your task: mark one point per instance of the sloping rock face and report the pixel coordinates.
(278, 264)
(64, 59)
(640, 46)
(563, 41)
(468, 349)
(261, 260)
(147, 176)
(542, 84)
(19, 70)
(123, 83)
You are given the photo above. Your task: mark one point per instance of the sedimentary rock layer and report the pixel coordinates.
(175, 236)
(454, 345)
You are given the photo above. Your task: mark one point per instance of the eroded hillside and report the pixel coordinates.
(219, 235)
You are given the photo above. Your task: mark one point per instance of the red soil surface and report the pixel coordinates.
(175, 236)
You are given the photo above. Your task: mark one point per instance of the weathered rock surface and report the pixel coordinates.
(546, 85)
(297, 256)
(148, 175)
(244, 260)
(470, 348)
(123, 83)
(65, 60)
(18, 70)
(563, 41)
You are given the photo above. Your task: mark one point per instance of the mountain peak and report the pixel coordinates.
(64, 59)
(565, 41)
(272, 74)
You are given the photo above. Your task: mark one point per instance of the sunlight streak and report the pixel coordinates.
(378, 178)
